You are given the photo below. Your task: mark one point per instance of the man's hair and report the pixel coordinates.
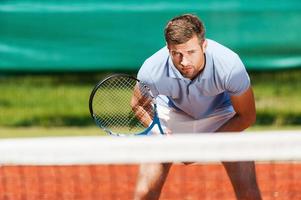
(182, 28)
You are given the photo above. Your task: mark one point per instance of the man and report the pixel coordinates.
(201, 86)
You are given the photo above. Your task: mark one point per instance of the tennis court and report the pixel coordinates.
(87, 182)
(49, 66)
(105, 174)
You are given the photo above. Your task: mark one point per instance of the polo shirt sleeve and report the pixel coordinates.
(238, 80)
(145, 76)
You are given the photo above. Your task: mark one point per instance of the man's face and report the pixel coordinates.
(188, 57)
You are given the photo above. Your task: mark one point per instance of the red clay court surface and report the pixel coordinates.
(113, 182)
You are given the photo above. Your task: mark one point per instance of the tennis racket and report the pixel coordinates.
(122, 105)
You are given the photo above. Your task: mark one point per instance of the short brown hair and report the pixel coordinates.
(182, 28)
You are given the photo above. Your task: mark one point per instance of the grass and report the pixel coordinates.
(16, 132)
(25, 132)
(45, 100)
(277, 96)
(62, 100)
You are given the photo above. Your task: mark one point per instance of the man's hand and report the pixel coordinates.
(156, 131)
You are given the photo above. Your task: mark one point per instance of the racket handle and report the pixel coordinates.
(156, 131)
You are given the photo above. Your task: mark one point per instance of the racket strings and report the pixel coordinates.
(114, 109)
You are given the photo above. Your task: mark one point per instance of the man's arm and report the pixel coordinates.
(244, 106)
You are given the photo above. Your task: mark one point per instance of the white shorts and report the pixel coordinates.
(179, 122)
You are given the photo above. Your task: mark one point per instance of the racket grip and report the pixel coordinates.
(156, 131)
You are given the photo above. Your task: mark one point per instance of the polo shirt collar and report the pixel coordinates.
(173, 72)
(207, 72)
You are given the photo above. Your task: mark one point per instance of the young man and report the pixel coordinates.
(201, 86)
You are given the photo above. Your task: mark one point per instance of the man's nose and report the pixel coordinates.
(184, 61)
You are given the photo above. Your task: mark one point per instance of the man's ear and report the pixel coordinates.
(204, 45)
(167, 46)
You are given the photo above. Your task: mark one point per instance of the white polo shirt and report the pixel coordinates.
(209, 93)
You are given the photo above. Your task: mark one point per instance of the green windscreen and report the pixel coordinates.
(102, 35)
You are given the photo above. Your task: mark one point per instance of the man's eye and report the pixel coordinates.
(176, 53)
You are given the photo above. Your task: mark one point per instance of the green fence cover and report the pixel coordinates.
(73, 35)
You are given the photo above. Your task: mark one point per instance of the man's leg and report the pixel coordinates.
(150, 181)
(243, 179)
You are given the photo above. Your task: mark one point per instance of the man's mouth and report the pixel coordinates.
(186, 68)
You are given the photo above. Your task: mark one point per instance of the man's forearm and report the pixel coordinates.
(237, 123)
